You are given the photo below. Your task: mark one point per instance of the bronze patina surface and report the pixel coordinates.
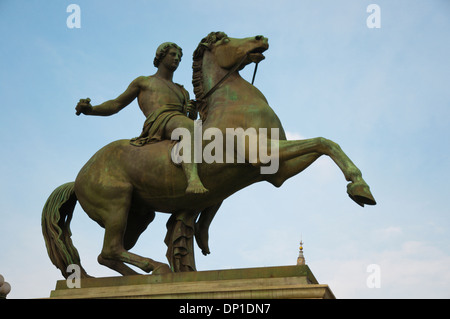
(123, 185)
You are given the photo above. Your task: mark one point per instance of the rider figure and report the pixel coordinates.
(164, 103)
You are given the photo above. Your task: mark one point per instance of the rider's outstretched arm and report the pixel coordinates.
(112, 106)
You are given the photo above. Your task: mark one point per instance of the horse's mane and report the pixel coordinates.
(197, 75)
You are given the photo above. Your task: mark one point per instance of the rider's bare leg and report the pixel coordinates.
(190, 169)
(195, 185)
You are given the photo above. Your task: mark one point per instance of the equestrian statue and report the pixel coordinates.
(168, 169)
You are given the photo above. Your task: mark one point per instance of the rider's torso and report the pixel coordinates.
(155, 93)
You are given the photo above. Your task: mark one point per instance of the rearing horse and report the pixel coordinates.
(122, 186)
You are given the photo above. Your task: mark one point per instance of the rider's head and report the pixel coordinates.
(162, 51)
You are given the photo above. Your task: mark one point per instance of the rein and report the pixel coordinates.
(234, 69)
(254, 73)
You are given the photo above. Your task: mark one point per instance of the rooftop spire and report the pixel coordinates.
(301, 258)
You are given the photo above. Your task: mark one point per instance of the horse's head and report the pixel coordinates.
(227, 52)
(222, 53)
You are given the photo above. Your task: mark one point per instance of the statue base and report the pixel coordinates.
(284, 282)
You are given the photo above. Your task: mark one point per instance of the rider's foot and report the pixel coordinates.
(196, 187)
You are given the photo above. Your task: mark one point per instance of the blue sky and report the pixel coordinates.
(382, 94)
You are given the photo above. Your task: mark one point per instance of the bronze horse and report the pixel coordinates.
(122, 186)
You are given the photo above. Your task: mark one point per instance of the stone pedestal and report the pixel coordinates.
(285, 282)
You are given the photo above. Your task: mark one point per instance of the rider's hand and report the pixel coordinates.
(84, 106)
(191, 110)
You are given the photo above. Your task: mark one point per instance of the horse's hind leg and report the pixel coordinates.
(115, 217)
(138, 220)
(118, 266)
(136, 224)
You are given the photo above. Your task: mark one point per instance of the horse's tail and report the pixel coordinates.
(56, 217)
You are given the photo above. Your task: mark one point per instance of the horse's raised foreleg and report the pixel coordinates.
(358, 190)
(291, 167)
(292, 149)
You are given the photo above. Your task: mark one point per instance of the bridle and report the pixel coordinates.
(232, 70)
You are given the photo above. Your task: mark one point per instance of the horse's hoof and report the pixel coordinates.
(161, 269)
(360, 193)
(202, 239)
